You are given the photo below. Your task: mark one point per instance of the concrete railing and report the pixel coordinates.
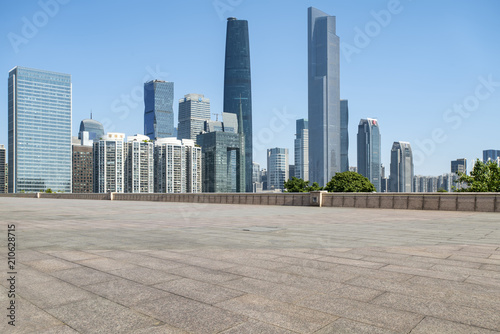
(484, 202)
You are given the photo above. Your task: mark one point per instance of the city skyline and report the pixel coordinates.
(412, 94)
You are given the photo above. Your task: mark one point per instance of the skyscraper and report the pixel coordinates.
(369, 151)
(237, 86)
(401, 178)
(194, 110)
(83, 168)
(93, 127)
(344, 136)
(2, 169)
(323, 97)
(277, 168)
(490, 155)
(39, 130)
(139, 165)
(302, 149)
(459, 165)
(159, 109)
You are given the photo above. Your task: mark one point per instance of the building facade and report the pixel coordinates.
(369, 159)
(83, 169)
(2, 169)
(109, 163)
(490, 155)
(178, 167)
(323, 97)
(344, 135)
(277, 168)
(194, 110)
(238, 87)
(159, 109)
(301, 149)
(139, 164)
(39, 130)
(401, 177)
(459, 165)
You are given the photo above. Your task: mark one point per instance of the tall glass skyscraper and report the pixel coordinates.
(39, 130)
(302, 149)
(324, 97)
(490, 155)
(401, 178)
(194, 110)
(159, 109)
(344, 136)
(369, 160)
(237, 86)
(277, 168)
(93, 127)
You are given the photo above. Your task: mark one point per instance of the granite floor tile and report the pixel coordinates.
(204, 274)
(256, 327)
(144, 275)
(346, 326)
(433, 325)
(83, 276)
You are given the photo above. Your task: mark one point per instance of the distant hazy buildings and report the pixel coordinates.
(178, 166)
(39, 130)
(277, 168)
(301, 149)
(490, 155)
(344, 136)
(237, 87)
(223, 157)
(109, 159)
(194, 110)
(401, 178)
(93, 127)
(323, 97)
(369, 160)
(139, 164)
(430, 184)
(2, 169)
(256, 178)
(158, 109)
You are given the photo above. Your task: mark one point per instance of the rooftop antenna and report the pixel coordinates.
(90, 113)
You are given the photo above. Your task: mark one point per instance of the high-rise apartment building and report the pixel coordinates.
(401, 178)
(194, 110)
(301, 149)
(277, 168)
(323, 97)
(490, 155)
(2, 169)
(344, 135)
(139, 165)
(109, 160)
(369, 159)
(224, 158)
(39, 130)
(159, 109)
(82, 167)
(237, 87)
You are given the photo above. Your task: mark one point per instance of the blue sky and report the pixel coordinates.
(429, 71)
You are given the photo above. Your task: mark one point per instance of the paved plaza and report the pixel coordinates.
(89, 266)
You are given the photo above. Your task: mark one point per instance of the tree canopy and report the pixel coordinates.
(349, 182)
(484, 177)
(296, 185)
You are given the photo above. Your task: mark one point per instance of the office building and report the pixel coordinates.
(94, 128)
(194, 110)
(369, 151)
(39, 130)
(344, 136)
(277, 168)
(139, 164)
(323, 97)
(301, 149)
(237, 87)
(82, 166)
(159, 109)
(459, 165)
(401, 178)
(291, 171)
(224, 158)
(2, 169)
(109, 160)
(490, 155)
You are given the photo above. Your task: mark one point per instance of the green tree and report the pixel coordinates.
(484, 177)
(296, 185)
(349, 182)
(49, 191)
